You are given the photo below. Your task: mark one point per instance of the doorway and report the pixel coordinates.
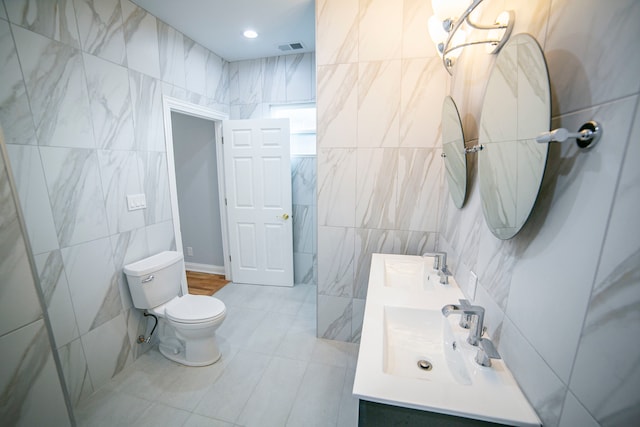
(194, 153)
(254, 238)
(190, 113)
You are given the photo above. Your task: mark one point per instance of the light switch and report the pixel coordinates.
(136, 201)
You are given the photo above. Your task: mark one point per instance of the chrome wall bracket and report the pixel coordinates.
(586, 137)
(474, 149)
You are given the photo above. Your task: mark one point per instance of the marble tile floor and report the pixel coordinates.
(273, 372)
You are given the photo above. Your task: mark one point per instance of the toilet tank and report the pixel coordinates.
(155, 280)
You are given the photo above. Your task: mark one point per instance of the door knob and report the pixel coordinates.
(285, 216)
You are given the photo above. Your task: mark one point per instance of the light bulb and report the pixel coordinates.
(436, 31)
(444, 9)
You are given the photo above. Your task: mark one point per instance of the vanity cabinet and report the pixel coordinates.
(373, 414)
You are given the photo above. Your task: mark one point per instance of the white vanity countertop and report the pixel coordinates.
(493, 394)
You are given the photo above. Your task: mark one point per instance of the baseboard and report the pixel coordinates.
(204, 268)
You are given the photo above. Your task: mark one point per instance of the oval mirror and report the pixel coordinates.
(455, 160)
(516, 109)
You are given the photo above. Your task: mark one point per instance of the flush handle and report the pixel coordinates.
(148, 279)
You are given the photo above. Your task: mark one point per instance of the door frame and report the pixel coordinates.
(170, 105)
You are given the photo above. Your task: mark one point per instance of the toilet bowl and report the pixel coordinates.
(187, 323)
(193, 320)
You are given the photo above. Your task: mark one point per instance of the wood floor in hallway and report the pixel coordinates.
(204, 283)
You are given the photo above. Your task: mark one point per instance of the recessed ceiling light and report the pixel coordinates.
(250, 34)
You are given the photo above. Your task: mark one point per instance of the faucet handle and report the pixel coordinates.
(444, 274)
(489, 348)
(486, 352)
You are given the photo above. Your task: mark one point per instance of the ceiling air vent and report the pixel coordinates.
(291, 46)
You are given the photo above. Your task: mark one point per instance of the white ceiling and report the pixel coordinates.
(218, 24)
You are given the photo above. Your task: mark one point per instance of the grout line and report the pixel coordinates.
(594, 106)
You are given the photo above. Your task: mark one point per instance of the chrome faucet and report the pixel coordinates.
(486, 349)
(477, 327)
(439, 260)
(440, 265)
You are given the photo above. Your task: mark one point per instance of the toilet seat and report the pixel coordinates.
(192, 309)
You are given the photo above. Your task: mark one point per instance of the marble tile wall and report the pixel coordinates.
(81, 108)
(256, 84)
(563, 294)
(305, 229)
(289, 79)
(30, 385)
(379, 170)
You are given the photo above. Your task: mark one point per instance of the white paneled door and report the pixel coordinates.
(258, 191)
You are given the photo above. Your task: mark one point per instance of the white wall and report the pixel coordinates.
(195, 157)
(564, 294)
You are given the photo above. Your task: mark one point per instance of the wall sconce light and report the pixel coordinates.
(446, 32)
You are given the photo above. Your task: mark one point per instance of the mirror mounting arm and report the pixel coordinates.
(586, 137)
(474, 149)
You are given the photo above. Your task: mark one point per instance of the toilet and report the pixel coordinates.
(186, 324)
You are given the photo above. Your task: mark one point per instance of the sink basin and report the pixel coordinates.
(420, 335)
(409, 272)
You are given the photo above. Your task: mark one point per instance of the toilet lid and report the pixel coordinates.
(194, 309)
